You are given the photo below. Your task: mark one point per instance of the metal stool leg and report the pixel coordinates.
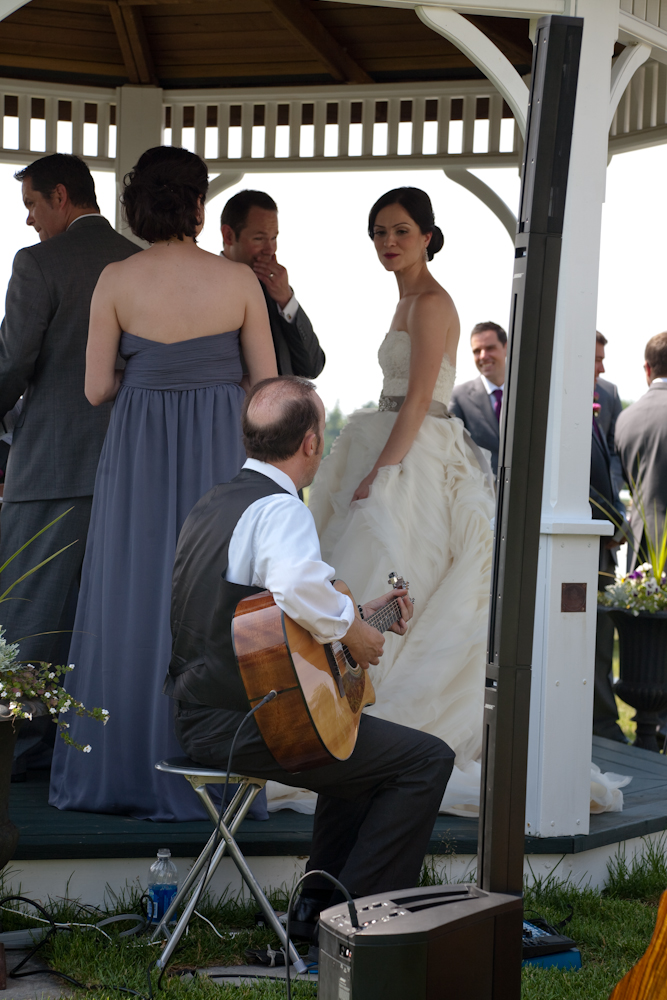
(247, 792)
(230, 813)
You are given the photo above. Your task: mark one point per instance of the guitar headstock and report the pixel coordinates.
(397, 582)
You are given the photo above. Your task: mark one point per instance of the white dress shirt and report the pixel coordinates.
(88, 215)
(289, 312)
(489, 386)
(275, 546)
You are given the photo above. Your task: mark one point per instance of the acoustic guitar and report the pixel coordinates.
(321, 689)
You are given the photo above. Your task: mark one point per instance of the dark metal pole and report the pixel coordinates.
(522, 446)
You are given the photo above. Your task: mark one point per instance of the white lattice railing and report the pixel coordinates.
(344, 127)
(349, 128)
(641, 116)
(40, 118)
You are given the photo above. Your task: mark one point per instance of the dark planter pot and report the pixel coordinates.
(9, 834)
(642, 641)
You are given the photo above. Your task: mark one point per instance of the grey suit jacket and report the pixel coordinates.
(641, 442)
(472, 403)
(58, 435)
(610, 407)
(298, 350)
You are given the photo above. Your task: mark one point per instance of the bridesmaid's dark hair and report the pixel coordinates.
(293, 400)
(162, 195)
(418, 206)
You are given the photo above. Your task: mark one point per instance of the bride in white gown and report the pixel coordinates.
(405, 489)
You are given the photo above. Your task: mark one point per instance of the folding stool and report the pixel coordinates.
(234, 814)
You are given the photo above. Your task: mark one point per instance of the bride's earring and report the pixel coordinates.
(425, 255)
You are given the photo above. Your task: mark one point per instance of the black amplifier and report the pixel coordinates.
(449, 942)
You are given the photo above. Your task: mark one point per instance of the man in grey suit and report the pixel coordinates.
(641, 442)
(249, 225)
(604, 494)
(58, 434)
(478, 403)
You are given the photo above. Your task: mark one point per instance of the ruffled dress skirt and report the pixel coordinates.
(428, 519)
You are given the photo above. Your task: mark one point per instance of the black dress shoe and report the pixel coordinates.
(304, 919)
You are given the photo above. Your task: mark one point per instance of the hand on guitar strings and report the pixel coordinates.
(404, 603)
(364, 643)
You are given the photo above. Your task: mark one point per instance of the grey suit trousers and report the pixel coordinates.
(46, 601)
(375, 811)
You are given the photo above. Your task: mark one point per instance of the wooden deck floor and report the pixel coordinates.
(47, 833)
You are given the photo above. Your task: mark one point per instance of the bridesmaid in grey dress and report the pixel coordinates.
(180, 317)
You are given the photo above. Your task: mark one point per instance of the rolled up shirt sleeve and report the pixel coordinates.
(288, 562)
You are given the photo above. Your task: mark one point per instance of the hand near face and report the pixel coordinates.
(274, 277)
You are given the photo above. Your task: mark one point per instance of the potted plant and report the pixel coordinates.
(27, 690)
(637, 603)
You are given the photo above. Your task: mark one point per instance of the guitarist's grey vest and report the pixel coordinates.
(203, 668)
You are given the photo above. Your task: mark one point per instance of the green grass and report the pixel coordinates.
(612, 928)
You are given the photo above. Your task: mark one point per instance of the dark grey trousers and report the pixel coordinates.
(605, 710)
(375, 811)
(45, 602)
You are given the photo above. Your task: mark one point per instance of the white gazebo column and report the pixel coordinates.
(139, 111)
(558, 791)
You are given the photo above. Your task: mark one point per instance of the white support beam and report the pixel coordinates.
(139, 128)
(224, 180)
(486, 195)
(8, 7)
(635, 29)
(561, 713)
(624, 68)
(515, 8)
(496, 8)
(483, 53)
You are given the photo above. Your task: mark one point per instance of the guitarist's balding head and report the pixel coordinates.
(283, 424)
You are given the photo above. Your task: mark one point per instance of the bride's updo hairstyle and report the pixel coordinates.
(162, 195)
(418, 206)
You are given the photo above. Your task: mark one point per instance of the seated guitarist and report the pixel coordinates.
(375, 810)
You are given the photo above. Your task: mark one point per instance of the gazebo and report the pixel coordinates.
(308, 85)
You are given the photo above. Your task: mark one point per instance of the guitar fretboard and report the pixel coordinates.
(383, 619)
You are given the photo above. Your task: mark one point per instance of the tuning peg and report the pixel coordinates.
(393, 579)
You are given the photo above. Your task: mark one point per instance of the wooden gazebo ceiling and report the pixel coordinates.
(237, 43)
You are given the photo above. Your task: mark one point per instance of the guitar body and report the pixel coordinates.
(315, 719)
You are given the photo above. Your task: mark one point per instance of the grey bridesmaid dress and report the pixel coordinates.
(175, 432)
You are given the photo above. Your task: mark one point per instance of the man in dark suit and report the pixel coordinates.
(249, 225)
(58, 435)
(641, 442)
(603, 492)
(610, 405)
(478, 403)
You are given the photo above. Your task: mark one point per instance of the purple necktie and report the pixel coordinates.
(497, 402)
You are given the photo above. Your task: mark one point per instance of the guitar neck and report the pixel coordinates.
(383, 619)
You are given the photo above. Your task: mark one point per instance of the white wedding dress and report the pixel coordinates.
(429, 520)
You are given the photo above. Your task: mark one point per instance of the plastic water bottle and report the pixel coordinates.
(162, 885)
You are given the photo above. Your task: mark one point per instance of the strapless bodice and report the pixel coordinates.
(394, 358)
(183, 365)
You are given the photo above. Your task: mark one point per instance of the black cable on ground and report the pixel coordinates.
(53, 929)
(350, 905)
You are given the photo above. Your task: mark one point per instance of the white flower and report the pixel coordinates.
(64, 725)
(17, 694)
(51, 676)
(52, 711)
(28, 716)
(71, 666)
(104, 711)
(87, 749)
